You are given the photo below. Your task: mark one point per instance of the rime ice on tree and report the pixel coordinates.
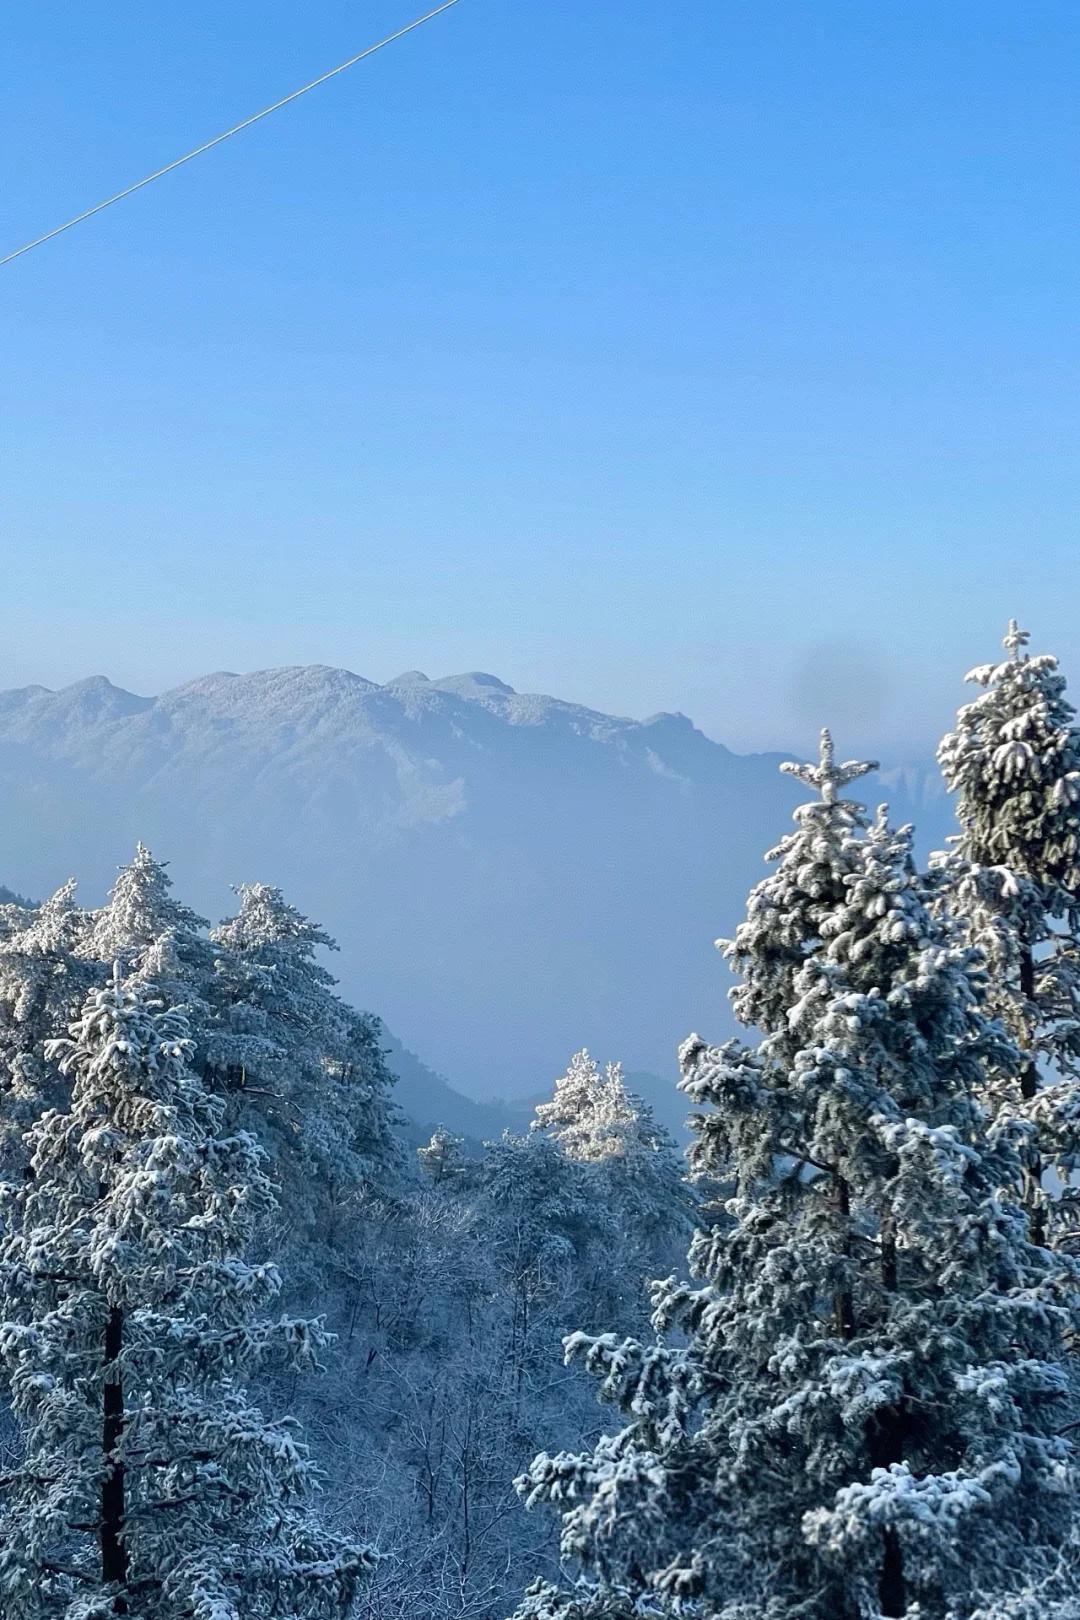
(873, 1368)
(301, 1070)
(786, 911)
(1014, 879)
(43, 982)
(638, 1176)
(291, 1061)
(150, 1486)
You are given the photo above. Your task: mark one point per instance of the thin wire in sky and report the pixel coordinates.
(58, 230)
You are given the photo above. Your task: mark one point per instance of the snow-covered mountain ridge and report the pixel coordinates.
(509, 876)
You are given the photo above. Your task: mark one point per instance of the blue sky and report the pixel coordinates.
(719, 357)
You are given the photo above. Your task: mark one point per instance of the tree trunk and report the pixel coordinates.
(888, 1254)
(1029, 1074)
(892, 1597)
(843, 1300)
(1029, 1085)
(114, 1557)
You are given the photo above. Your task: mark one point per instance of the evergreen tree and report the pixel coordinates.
(637, 1176)
(50, 956)
(163, 942)
(786, 910)
(534, 1204)
(149, 1486)
(156, 936)
(293, 1063)
(865, 1406)
(302, 1070)
(1014, 878)
(43, 982)
(443, 1161)
(591, 1115)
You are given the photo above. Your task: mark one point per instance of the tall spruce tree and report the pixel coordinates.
(150, 1486)
(785, 912)
(1013, 877)
(865, 1406)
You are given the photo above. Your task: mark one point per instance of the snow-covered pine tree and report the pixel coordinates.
(302, 1070)
(50, 956)
(866, 1407)
(443, 1161)
(149, 1486)
(43, 983)
(155, 935)
(534, 1203)
(591, 1115)
(785, 911)
(634, 1163)
(1013, 876)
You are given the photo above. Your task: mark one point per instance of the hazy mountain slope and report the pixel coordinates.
(510, 877)
(428, 1101)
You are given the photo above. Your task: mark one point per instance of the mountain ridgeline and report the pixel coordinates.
(508, 876)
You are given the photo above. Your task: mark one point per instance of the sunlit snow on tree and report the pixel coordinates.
(1013, 878)
(150, 1486)
(872, 1369)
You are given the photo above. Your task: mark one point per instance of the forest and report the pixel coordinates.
(263, 1358)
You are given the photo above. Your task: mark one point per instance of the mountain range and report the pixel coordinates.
(509, 877)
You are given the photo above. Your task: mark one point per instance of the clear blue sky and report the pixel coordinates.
(714, 356)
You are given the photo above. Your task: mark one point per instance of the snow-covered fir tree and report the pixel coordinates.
(156, 936)
(1013, 876)
(44, 978)
(785, 912)
(50, 955)
(596, 1121)
(442, 1159)
(301, 1069)
(150, 1486)
(865, 1405)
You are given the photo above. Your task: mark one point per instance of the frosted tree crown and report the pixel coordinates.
(827, 776)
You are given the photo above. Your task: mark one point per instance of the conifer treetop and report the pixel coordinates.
(1015, 639)
(592, 1116)
(827, 776)
(1014, 761)
(785, 911)
(140, 911)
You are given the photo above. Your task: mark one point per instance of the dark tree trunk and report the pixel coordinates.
(1029, 1085)
(844, 1302)
(114, 1558)
(1029, 1074)
(892, 1597)
(888, 1255)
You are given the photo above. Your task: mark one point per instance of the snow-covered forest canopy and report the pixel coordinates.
(267, 1356)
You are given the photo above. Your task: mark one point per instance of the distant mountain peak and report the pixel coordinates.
(84, 702)
(671, 718)
(510, 876)
(473, 684)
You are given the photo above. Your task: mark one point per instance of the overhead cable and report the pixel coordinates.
(227, 134)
